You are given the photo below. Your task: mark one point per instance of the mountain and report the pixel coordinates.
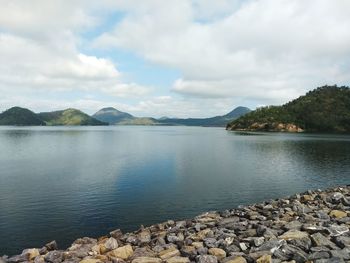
(116, 117)
(68, 117)
(112, 115)
(20, 117)
(325, 109)
(213, 121)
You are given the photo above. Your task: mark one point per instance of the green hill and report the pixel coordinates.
(116, 117)
(20, 117)
(325, 109)
(69, 117)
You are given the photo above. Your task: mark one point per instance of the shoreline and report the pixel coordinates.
(309, 227)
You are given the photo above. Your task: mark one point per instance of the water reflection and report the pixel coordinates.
(63, 183)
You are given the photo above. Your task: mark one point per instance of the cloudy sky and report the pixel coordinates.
(169, 58)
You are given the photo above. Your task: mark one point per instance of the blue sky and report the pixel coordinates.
(186, 58)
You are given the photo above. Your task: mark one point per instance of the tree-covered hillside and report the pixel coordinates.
(20, 117)
(325, 109)
(69, 117)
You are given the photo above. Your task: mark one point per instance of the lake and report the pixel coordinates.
(62, 183)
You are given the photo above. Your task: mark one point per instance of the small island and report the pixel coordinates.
(325, 109)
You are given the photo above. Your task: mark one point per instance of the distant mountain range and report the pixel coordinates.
(107, 116)
(23, 117)
(325, 109)
(116, 117)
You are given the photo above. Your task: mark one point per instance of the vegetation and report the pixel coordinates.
(325, 109)
(20, 117)
(69, 117)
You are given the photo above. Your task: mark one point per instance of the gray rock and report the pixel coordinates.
(51, 245)
(206, 259)
(336, 230)
(342, 241)
(202, 251)
(343, 253)
(320, 240)
(329, 260)
(54, 256)
(303, 243)
(116, 233)
(318, 255)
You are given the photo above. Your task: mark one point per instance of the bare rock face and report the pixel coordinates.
(310, 227)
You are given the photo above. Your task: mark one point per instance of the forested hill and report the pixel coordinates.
(325, 109)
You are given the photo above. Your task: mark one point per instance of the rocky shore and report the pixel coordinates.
(308, 227)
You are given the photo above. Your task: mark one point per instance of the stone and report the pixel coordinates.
(320, 240)
(293, 225)
(144, 236)
(146, 260)
(111, 244)
(318, 255)
(169, 253)
(342, 241)
(337, 230)
(54, 256)
(178, 259)
(343, 253)
(90, 260)
(122, 252)
(238, 259)
(264, 259)
(294, 234)
(337, 214)
(206, 259)
(116, 233)
(188, 251)
(51, 245)
(31, 253)
(217, 252)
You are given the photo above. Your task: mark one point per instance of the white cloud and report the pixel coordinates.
(39, 51)
(263, 49)
(228, 52)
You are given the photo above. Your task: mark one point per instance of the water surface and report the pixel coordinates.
(67, 182)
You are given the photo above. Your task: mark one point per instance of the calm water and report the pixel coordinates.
(64, 183)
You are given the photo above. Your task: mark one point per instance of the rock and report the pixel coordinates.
(303, 243)
(178, 260)
(336, 230)
(342, 241)
(54, 256)
(143, 252)
(18, 258)
(169, 253)
(337, 214)
(146, 260)
(51, 245)
(90, 260)
(206, 259)
(238, 259)
(31, 253)
(320, 240)
(111, 244)
(343, 254)
(293, 225)
(122, 252)
(41, 259)
(188, 251)
(144, 236)
(318, 255)
(116, 233)
(294, 234)
(264, 259)
(217, 252)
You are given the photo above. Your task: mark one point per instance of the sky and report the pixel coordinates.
(183, 58)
